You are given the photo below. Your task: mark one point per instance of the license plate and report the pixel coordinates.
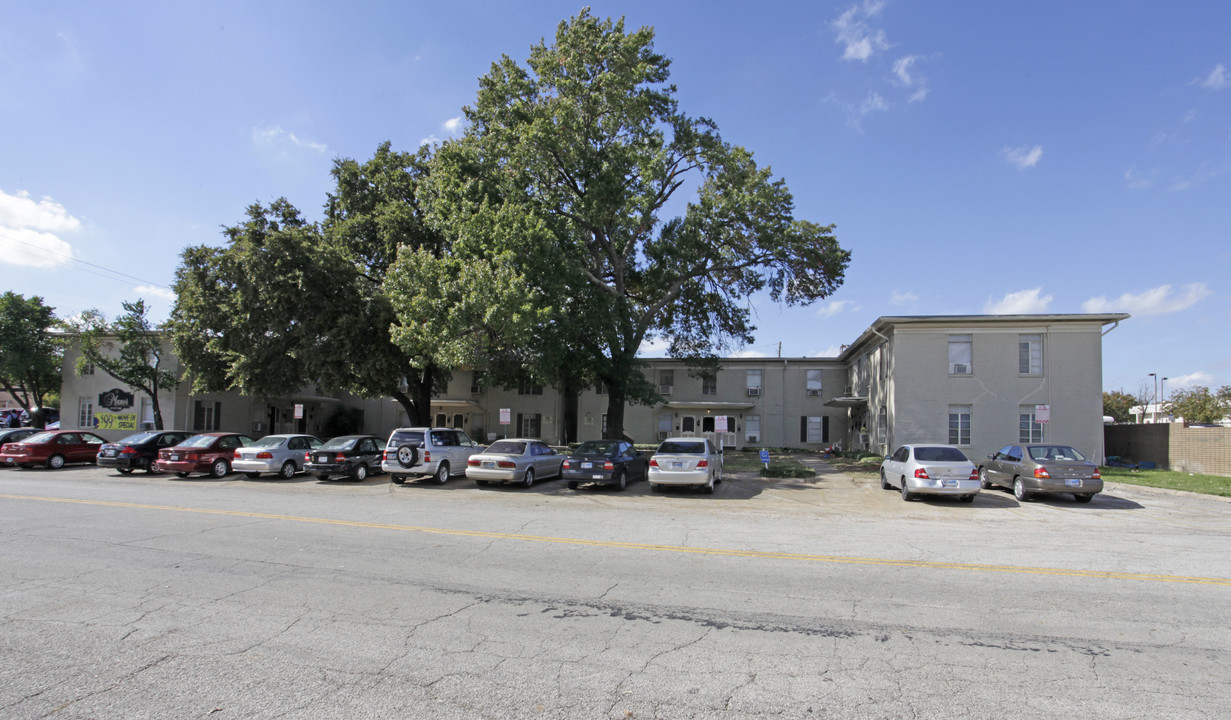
(9, 460)
(586, 465)
(948, 483)
(108, 453)
(1075, 482)
(175, 457)
(489, 464)
(677, 464)
(597, 477)
(322, 458)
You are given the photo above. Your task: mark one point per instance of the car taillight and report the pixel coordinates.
(703, 463)
(922, 474)
(128, 450)
(307, 457)
(340, 457)
(262, 456)
(1041, 473)
(384, 456)
(565, 465)
(472, 462)
(507, 464)
(427, 456)
(1097, 475)
(653, 462)
(236, 455)
(609, 465)
(974, 474)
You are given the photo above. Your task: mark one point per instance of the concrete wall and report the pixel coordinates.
(1204, 450)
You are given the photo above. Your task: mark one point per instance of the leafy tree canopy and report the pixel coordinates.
(1199, 405)
(575, 165)
(1119, 404)
(138, 362)
(30, 355)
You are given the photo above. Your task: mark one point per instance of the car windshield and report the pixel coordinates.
(939, 454)
(504, 447)
(682, 448)
(43, 437)
(199, 441)
(1044, 453)
(139, 438)
(411, 438)
(269, 441)
(340, 443)
(596, 447)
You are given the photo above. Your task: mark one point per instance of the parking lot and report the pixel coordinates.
(158, 596)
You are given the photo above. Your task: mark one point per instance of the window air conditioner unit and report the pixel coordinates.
(662, 434)
(959, 369)
(814, 392)
(665, 389)
(475, 389)
(754, 392)
(147, 426)
(258, 427)
(752, 439)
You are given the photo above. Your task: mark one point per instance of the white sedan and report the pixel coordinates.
(514, 460)
(930, 470)
(689, 461)
(281, 454)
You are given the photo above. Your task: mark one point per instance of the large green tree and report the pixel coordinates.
(1118, 404)
(1199, 405)
(30, 355)
(138, 360)
(635, 220)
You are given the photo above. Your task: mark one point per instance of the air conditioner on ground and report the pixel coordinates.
(754, 392)
(959, 369)
(665, 389)
(814, 392)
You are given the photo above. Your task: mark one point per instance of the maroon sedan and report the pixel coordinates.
(54, 449)
(205, 453)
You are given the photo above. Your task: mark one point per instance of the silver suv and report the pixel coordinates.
(440, 453)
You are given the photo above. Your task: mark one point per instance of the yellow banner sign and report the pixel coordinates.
(115, 421)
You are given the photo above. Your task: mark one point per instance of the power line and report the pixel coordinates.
(45, 252)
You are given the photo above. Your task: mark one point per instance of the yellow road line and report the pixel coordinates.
(1103, 574)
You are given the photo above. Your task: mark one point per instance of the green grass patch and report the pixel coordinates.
(1170, 479)
(786, 470)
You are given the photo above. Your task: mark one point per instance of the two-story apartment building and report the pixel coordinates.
(976, 381)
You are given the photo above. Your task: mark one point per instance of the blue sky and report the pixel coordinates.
(976, 157)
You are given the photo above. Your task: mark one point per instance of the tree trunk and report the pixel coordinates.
(157, 411)
(418, 404)
(615, 411)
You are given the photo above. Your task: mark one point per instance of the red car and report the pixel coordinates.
(54, 449)
(205, 453)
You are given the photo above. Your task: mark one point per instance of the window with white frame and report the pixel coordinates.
(815, 432)
(959, 424)
(813, 383)
(666, 382)
(85, 412)
(206, 416)
(1029, 430)
(752, 429)
(961, 355)
(882, 426)
(664, 426)
(88, 369)
(1030, 354)
(754, 382)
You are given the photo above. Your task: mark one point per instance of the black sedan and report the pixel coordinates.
(351, 455)
(607, 462)
(12, 435)
(139, 451)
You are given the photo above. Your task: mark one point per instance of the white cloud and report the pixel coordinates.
(836, 306)
(1023, 302)
(276, 137)
(1192, 379)
(831, 351)
(161, 292)
(1218, 79)
(30, 231)
(654, 347)
(858, 39)
(453, 125)
(1136, 180)
(855, 115)
(430, 140)
(903, 298)
(1155, 301)
(749, 354)
(1023, 157)
(910, 78)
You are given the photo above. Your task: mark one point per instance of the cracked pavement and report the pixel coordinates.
(150, 612)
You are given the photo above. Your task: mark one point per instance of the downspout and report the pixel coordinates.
(877, 415)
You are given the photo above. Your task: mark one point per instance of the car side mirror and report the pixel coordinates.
(991, 456)
(888, 457)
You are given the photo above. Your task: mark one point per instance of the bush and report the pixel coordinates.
(788, 471)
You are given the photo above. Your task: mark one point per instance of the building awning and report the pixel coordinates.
(709, 406)
(446, 402)
(847, 402)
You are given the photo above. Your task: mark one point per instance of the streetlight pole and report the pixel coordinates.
(1154, 414)
(1165, 395)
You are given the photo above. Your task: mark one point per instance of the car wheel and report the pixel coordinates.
(442, 473)
(1019, 490)
(407, 456)
(125, 471)
(219, 469)
(180, 474)
(528, 479)
(55, 462)
(572, 484)
(620, 481)
(1084, 497)
(251, 475)
(907, 495)
(708, 488)
(288, 470)
(884, 481)
(398, 479)
(360, 473)
(983, 481)
(968, 498)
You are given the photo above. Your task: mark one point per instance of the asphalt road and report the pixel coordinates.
(154, 597)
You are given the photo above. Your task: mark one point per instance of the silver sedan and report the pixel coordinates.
(930, 470)
(516, 460)
(281, 454)
(689, 461)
